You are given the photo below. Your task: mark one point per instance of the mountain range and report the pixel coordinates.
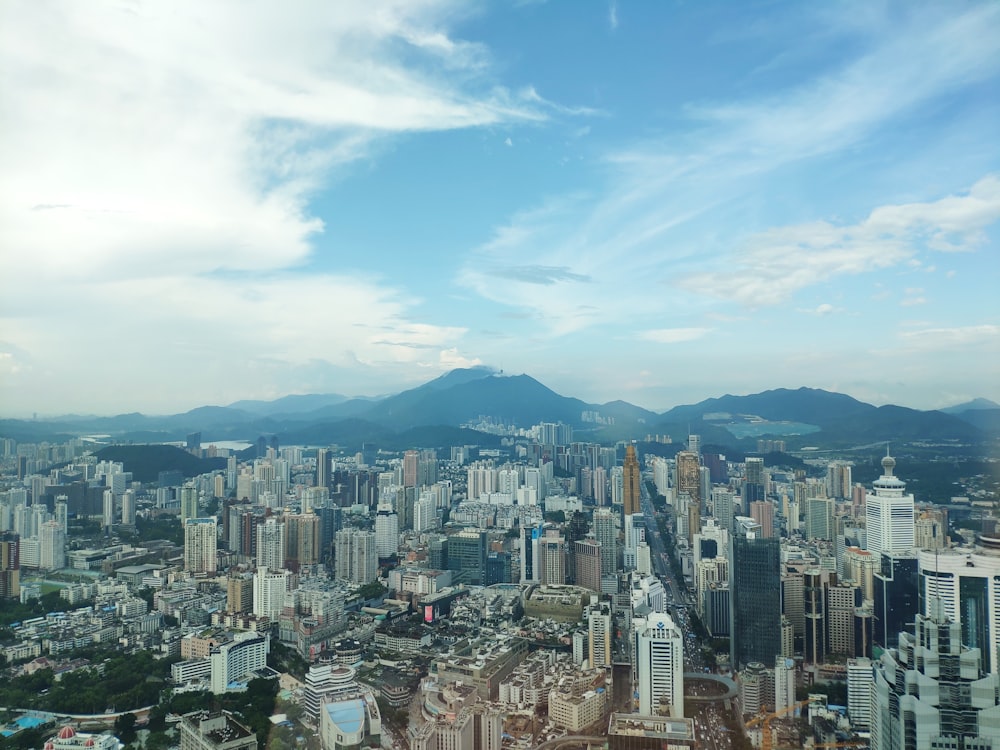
(437, 412)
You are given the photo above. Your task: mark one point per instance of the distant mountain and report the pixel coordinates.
(987, 420)
(295, 404)
(841, 419)
(518, 399)
(435, 411)
(806, 405)
(976, 404)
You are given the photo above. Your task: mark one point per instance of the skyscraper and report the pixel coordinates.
(386, 531)
(553, 559)
(889, 513)
(200, 540)
(932, 692)
(10, 565)
(52, 540)
(659, 665)
(755, 483)
(762, 512)
(966, 583)
(599, 633)
(271, 544)
(189, 502)
(356, 558)
(631, 482)
(588, 564)
(896, 599)
(755, 586)
(323, 468)
(606, 533)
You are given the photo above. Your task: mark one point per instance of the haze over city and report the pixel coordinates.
(656, 202)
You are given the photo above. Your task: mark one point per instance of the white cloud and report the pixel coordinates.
(822, 310)
(777, 263)
(156, 166)
(613, 15)
(673, 335)
(663, 214)
(946, 338)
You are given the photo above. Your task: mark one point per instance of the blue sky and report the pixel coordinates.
(660, 202)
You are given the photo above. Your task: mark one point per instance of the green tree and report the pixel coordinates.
(125, 728)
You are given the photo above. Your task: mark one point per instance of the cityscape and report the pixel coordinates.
(538, 589)
(499, 375)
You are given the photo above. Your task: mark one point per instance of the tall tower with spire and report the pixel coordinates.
(631, 482)
(889, 512)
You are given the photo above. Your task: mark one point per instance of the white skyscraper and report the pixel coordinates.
(889, 514)
(128, 508)
(425, 513)
(965, 583)
(109, 508)
(386, 532)
(599, 635)
(200, 545)
(659, 665)
(269, 588)
(271, 544)
(52, 540)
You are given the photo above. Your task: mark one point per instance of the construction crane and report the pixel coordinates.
(765, 721)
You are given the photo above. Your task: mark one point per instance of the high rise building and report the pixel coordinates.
(724, 507)
(52, 540)
(933, 692)
(838, 480)
(689, 475)
(755, 481)
(896, 598)
(302, 538)
(762, 511)
(269, 587)
(323, 468)
(356, 559)
(239, 593)
(530, 554)
(819, 518)
(599, 634)
(235, 662)
(411, 462)
(467, 556)
(552, 550)
(966, 583)
(189, 502)
(386, 531)
(200, 542)
(860, 679)
(109, 509)
(755, 591)
(889, 513)
(588, 564)
(271, 544)
(128, 508)
(631, 482)
(659, 665)
(10, 565)
(606, 532)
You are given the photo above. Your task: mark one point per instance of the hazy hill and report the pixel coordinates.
(520, 399)
(295, 404)
(808, 405)
(461, 396)
(976, 404)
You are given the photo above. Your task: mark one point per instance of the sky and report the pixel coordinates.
(659, 202)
